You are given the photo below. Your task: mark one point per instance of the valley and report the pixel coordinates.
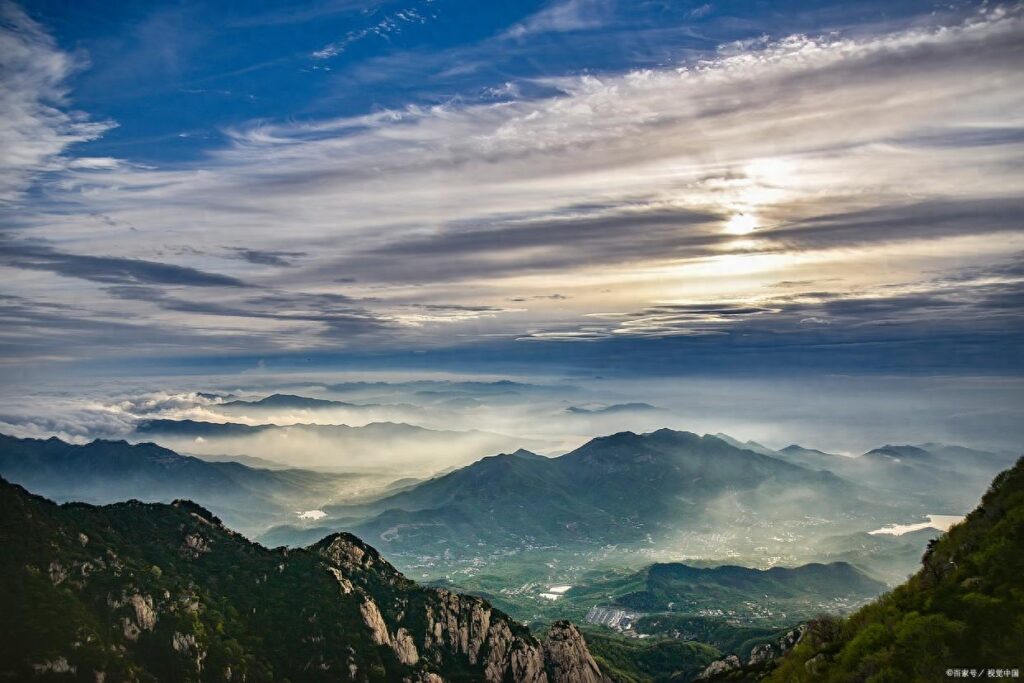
(547, 537)
(669, 549)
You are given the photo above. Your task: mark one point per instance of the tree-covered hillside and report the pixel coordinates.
(155, 592)
(963, 610)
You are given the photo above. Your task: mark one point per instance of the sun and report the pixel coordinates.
(741, 224)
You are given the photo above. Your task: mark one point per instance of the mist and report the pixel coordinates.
(549, 415)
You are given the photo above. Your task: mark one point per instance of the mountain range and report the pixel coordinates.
(951, 477)
(275, 406)
(109, 471)
(113, 589)
(612, 489)
(621, 488)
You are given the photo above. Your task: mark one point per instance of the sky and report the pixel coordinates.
(594, 188)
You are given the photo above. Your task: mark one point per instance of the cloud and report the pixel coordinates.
(35, 132)
(875, 160)
(547, 243)
(264, 257)
(980, 303)
(336, 316)
(391, 23)
(935, 218)
(107, 269)
(702, 11)
(48, 332)
(562, 16)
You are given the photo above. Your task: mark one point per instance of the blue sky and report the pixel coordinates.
(569, 186)
(173, 75)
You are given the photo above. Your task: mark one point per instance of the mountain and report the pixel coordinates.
(813, 458)
(193, 428)
(612, 489)
(682, 588)
(962, 609)
(885, 556)
(287, 408)
(613, 409)
(108, 471)
(949, 478)
(395, 448)
(154, 592)
(248, 461)
(672, 599)
(288, 401)
(747, 445)
(197, 428)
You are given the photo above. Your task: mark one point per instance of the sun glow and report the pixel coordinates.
(742, 224)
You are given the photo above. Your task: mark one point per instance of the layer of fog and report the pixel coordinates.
(547, 415)
(938, 522)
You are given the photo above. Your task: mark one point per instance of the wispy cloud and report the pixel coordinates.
(268, 258)
(108, 269)
(657, 203)
(389, 24)
(563, 15)
(35, 128)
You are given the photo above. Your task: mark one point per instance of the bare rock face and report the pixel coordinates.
(458, 623)
(58, 573)
(721, 666)
(142, 611)
(58, 666)
(792, 637)
(567, 657)
(187, 645)
(761, 653)
(405, 647)
(526, 664)
(375, 622)
(463, 625)
(350, 555)
(145, 615)
(194, 546)
(343, 583)
(433, 628)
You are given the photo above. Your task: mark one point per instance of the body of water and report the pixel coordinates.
(940, 522)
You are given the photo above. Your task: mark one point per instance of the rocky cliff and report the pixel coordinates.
(453, 626)
(150, 592)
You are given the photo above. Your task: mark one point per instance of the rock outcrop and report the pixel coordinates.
(454, 626)
(761, 653)
(567, 658)
(761, 657)
(720, 667)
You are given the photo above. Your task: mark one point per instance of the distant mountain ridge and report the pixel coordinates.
(680, 584)
(288, 401)
(612, 489)
(397, 448)
(946, 476)
(214, 429)
(111, 471)
(614, 408)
